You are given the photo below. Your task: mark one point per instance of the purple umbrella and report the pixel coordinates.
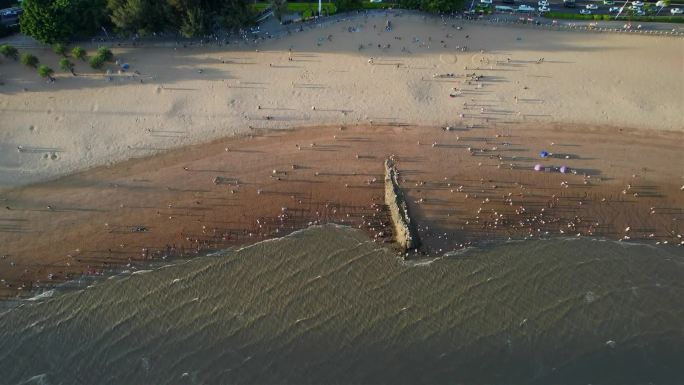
(564, 169)
(538, 167)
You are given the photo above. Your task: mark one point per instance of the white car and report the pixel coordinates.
(608, 2)
(614, 9)
(544, 9)
(525, 8)
(543, 3)
(638, 3)
(676, 11)
(486, 2)
(585, 12)
(591, 6)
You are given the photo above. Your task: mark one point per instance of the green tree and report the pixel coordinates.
(45, 71)
(105, 54)
(9, 51)
(78, 53)
(348, 5)
(231, 14)
(29, 60)
(59, 49)
(236, 14)
(139, 16)
(279, 8)
(195, 24)
(51, 21)
(66, 65)
(96, 61)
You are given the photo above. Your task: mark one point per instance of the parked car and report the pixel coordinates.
(585, 12)
(638, 3)
(525, 8)
(608, 2)
(569, 3)
(508, 1)
(640, 12)
(614, 9)
(676, 11)
(543, 3)
(592, 7)
(543, 9)
(486, 2)
(503, 8)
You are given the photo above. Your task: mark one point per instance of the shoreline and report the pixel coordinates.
(271, 182)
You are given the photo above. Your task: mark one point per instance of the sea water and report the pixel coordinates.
(328, 305)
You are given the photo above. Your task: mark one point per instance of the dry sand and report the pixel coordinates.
(585, 78)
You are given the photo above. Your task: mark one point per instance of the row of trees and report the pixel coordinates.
(102, 55)
(52, 21)
(27, 59)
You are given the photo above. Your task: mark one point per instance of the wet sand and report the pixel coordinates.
(468, 185)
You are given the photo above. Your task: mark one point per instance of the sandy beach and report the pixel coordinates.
(266, 141)
(178, 96)
(464, 186)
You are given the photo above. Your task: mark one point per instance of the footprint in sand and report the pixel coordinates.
(95, 107)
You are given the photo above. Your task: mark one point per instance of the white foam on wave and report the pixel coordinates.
(291, 235)
(43, 295)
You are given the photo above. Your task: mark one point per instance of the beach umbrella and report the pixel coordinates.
(564, 169)
(538, 167)
(544, 154)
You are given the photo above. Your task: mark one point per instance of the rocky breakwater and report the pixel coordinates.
(404, 228)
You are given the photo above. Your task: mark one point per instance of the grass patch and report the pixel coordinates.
(260, 7)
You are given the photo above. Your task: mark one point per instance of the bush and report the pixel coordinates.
(45, 71)
(9, 51)
(29, 60)
(59, 49)
(105, 54)
(66, 65)
(78, 53)
(348, 5)
(96, 62)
